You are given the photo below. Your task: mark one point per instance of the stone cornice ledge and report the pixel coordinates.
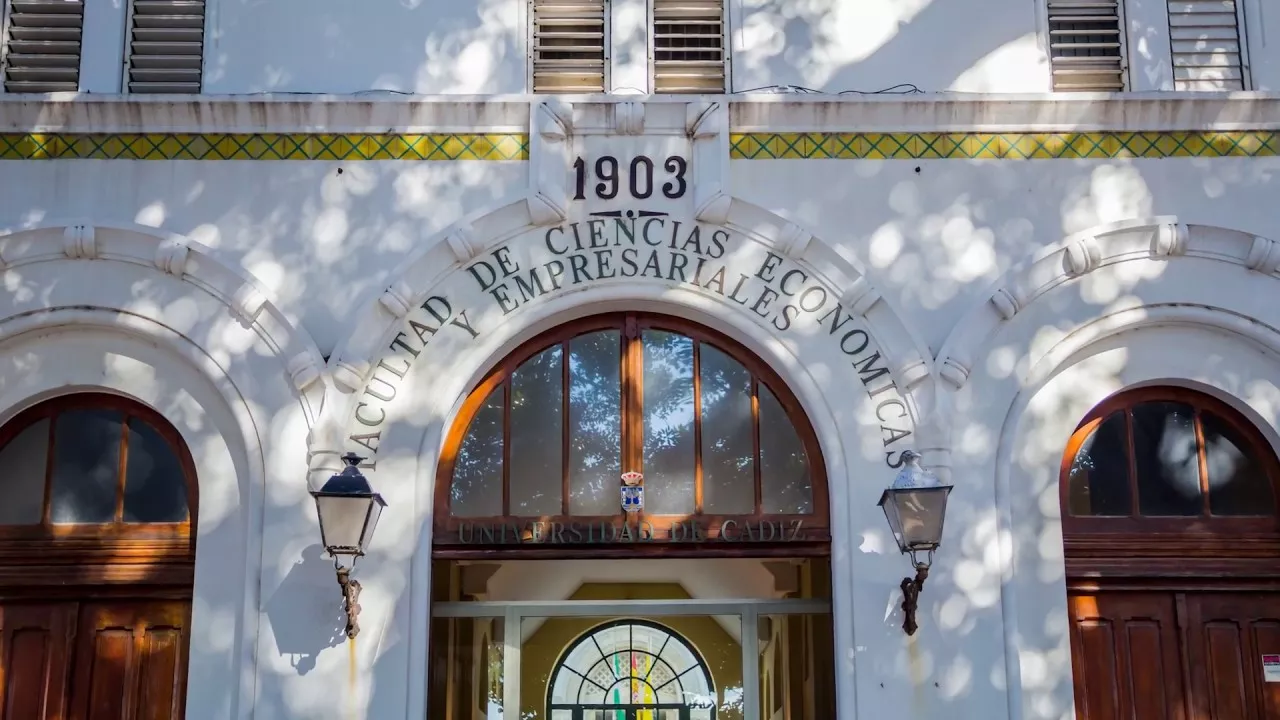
(943, 112)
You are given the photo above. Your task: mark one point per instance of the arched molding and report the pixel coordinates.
(861, 435)
(1143, 302)
(159, 318)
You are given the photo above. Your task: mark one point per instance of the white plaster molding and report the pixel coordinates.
(1170, 240)
(303, 370)
(397, 299)
(248, 302)
(79, 241)
(172, 255)
(954, 372)
(628, 118)
(349, 375)
(860, 296)
(462, 243)
(708, 126)
(1264, 256)
(1081, 256)
(551, 124)
(794, 241)
(1004, 303)
(913, 372)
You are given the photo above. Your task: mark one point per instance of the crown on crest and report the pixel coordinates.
(632, 478)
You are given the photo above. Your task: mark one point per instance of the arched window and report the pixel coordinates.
(94, 464)
(550, 431)
(1172, 457)
(636, 668)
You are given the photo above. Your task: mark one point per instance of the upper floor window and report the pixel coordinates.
(1206, 45)
(573, 48)
(94, 464)
(712, 430)
(1086, 46)
(1161, 455)
(163, 51)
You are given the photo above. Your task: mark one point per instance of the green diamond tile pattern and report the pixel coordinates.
(262, 146)
(1002, 146)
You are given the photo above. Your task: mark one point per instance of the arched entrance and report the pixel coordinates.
(1172, 535)
(96, 561)
(631, 473)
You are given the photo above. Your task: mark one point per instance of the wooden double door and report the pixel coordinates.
(1153, 654)
(99, 660)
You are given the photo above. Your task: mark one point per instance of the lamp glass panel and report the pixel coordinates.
(921, 513)
(342, 519)
(895, 520)
(375, 512)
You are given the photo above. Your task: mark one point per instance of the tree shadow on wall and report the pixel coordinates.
(303, 630)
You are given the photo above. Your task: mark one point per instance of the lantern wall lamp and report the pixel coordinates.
(915, 506)
(348, 509)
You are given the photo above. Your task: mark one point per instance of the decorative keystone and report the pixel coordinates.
(1264, 257)
(349, 375)
(248, 302)
(1081, 256)
(794, 241)
(303, 370)
(78, 241)
(1005, 303)
(954, 372)
(397, 300)
(462, 243)
(172, 256)
(628, 118)
(912, 373)
(860, 297)
(1170, 240)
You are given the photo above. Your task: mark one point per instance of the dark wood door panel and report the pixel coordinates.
(129, 661)
(34, 648)
(1125, 655)
(1228, 633)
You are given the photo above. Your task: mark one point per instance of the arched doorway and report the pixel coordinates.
(1172, 535)
(96, 561)
(631, 472)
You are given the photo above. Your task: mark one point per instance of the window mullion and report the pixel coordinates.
(757, 457)
(1202, 462)
(123, 462)
(1135, 502)
(506, 445)
(697, 427)
(50, 456)
(566, 427)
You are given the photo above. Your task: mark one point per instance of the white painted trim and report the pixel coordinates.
(598, 608)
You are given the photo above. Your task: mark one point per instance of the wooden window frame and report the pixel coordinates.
(631, 325)
(1165, 542)
(99, 553)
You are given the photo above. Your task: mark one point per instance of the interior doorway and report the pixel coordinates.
(1172, 534)
(631, 524)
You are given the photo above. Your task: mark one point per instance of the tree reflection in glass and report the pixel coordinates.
(784, 467)
(477, 472)
(537, 425)
(595, 423)
(728, 453)
(668, 450)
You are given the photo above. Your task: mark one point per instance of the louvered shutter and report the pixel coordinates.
(166, 46)
(42, 45)
(688, 46)
(1085, 46)
(568, 46)
(1205, 37)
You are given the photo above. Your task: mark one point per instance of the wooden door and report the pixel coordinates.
(34, 644)
(1228, 633)
(128, 661)
(1124, 651)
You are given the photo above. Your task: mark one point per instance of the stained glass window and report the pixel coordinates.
(631, 670)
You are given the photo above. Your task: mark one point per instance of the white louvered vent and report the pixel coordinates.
(1205, 35)
(42, 45)
(1085, 46)
(568, 46)
(688, 46)
(166, 46)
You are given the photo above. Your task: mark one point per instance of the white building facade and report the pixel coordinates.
(242, 240)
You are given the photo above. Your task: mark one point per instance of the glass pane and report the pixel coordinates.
(595, 423)
(22, 484)
(86, 466)
(537, 424)
(1238, 485)
(609, 667)
(728, 452)
(797, 659)
(155, 489)
(477, 471)
(466, 669)
(668, 423)
(784, 467)
(1166, 459)
(1098, 482)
